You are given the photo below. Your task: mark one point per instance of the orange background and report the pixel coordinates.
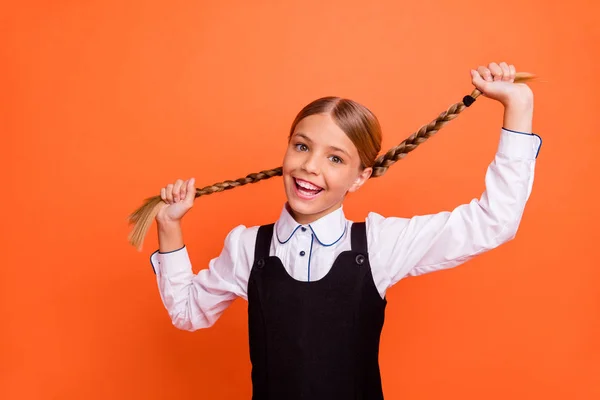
(102, 103)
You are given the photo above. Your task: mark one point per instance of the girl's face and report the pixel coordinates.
(321, 165)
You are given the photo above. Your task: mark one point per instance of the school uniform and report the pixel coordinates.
(316, 292)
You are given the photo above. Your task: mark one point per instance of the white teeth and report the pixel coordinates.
(307, 185)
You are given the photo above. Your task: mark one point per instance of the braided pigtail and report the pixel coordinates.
(142, 217)
(383, 162)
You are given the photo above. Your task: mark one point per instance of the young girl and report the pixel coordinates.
(315, 282)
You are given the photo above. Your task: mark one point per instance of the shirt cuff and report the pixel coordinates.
(520, 145)
(171, 260)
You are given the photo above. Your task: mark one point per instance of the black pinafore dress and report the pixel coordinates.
(315, 340)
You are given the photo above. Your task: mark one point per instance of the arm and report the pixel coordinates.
(197, 301)
(429, 243)
(170, 236)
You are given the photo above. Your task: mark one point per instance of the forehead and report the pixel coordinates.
(322, 129)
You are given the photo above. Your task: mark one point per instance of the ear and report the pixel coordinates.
(364, 175)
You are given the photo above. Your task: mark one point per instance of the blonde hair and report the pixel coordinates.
(360, 125)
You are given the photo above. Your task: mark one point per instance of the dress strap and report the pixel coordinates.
(358, 238)
(263, 242)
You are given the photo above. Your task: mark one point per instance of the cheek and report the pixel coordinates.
(341, 179)
(286, 160)
(290, 161)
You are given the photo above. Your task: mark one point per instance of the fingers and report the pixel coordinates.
(169, 197)
(477, 79)
(505, 71)
(183, 190)
(190, 190)
(175, 192)
(485, 73)
(497, 72)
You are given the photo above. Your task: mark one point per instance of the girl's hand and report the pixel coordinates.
(497, 82)
(179, 197)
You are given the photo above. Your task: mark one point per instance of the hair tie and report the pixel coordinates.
(468, 100)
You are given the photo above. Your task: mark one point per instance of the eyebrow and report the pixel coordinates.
(302, 135)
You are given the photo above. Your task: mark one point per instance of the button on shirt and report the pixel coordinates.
(398, 247)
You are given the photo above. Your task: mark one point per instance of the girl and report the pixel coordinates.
(315, 282)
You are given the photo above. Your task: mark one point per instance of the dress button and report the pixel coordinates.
(302, 253)
(360, 259)
(261, 263)
(303, 229)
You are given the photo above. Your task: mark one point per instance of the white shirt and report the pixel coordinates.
(397, 247)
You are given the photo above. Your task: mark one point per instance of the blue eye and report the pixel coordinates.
(336, 159)
(301, 147)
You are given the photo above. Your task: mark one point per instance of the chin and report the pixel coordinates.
(306, 212)
(300, 207)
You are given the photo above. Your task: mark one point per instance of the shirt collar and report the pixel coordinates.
(328, 229)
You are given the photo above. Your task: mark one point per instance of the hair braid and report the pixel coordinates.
(143, 216)
(251, 178)
(383, 162)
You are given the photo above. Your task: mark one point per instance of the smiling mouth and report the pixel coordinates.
(306, 189)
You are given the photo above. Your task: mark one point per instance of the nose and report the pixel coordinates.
(311, 164)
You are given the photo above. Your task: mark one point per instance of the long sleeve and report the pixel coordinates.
(197, 301)
(426, 243)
